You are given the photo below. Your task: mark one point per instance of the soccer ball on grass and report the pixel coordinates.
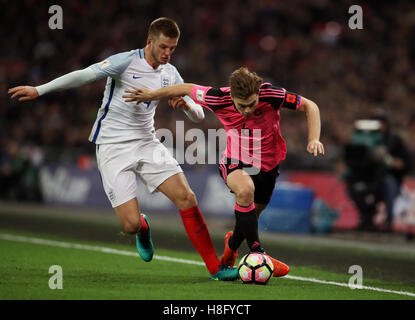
(255, 268)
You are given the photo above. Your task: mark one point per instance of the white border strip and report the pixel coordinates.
(61, 244)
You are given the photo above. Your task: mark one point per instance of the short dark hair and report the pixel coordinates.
(165, 26)
(244, 83)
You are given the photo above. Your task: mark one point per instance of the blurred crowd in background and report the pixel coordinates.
(304, 46)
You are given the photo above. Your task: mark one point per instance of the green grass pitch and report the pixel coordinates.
(121, 274)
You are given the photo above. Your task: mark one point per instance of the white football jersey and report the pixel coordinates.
(117, 120)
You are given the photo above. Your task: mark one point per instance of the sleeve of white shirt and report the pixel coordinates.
(70, 80)
(195, 113)
(113, 66)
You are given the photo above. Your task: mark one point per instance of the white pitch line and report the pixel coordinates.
(54, 243)
(61, 244)
(341, 284)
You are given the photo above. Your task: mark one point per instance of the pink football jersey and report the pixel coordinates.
(255, 140)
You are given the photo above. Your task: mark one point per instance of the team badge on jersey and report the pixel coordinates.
(165, 81)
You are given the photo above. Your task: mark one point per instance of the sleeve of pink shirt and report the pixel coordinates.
(198, 94)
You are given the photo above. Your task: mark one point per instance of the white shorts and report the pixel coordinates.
(121, 163)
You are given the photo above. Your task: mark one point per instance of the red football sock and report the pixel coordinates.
(198, 234)
(144, 225)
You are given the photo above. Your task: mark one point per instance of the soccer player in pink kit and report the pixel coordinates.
(249, 111)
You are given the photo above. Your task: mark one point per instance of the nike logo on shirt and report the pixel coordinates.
(136, 77)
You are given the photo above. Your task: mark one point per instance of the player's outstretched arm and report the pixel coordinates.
(312, 112)
(142, 94)
(178, 94)
(70, 80)
(23, 93)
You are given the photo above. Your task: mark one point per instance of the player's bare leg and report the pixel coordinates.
(244, 189)
(242, 185)
(134, 222)
(177, 189)
(129, 215)
(246, 226)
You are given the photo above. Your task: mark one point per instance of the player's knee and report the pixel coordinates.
(245, 195)
(186, 199)
(190, 198)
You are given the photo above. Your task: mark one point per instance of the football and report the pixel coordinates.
(255, 268)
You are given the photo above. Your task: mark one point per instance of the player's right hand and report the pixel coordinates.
(315, 147)
(24, 93)
(138, 95)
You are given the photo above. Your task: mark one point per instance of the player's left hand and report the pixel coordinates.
(178, 103)
(315, 147)
(138, 95)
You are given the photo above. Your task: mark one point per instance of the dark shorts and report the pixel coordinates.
(264, 181)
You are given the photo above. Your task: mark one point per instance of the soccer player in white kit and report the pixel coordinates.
(126, 145)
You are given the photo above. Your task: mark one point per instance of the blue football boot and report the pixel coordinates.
(145, 244)
(226, 273)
